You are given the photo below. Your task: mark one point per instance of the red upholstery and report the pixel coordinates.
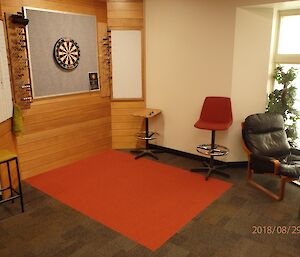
(216, 114)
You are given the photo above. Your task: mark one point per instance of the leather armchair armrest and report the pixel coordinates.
(263, 164)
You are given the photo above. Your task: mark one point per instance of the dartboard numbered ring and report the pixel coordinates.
(66, 53)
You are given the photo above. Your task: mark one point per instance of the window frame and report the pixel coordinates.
(291, 59)
(285, 58)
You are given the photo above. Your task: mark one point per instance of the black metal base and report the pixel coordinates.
(146, 152)
(147, 136)
(212, 170)
(212, 150)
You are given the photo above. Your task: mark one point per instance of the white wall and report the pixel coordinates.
(203, 48)
(189, 49)
(251, 70)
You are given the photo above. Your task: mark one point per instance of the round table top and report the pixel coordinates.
(147, 112)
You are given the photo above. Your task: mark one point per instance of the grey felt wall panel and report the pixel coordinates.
(44, 29)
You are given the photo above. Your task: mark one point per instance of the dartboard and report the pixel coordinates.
(66, 53)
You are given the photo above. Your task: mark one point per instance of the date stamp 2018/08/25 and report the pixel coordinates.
(279, 230)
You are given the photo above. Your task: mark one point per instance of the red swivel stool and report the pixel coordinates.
(216, 115)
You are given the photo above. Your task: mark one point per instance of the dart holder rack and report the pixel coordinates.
(19, 59)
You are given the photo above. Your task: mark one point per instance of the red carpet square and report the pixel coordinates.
(144, 200)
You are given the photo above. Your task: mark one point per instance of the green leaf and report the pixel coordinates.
(282, 100)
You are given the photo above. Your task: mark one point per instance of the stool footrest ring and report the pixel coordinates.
(143, 135)
(10, 198)
(208, 150)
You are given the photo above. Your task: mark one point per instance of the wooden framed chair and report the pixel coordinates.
(266, 145)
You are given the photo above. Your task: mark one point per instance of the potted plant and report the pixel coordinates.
(282, 100)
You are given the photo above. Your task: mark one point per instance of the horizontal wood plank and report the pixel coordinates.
(125, 125)
(63, 129)
(90, 7)
(62, 158)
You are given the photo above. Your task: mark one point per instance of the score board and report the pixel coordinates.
(6, 104)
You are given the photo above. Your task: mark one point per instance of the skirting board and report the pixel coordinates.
(197, 157)
(202, 158)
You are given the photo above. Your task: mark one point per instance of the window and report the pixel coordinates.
(289, 40)
(288, 51)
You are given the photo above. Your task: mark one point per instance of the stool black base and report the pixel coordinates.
(215, 169)
(212, 150)
(146, 152)
(147, 136)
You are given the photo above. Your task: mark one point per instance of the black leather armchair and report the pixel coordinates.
(268, 150)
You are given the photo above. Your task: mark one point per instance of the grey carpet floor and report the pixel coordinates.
(48, 228)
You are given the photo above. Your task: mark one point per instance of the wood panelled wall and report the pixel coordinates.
(7, 139)
(91, 7)
(60, 130)
(125, 14)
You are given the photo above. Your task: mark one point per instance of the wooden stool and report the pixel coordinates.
(7, 157)
(146, 135)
